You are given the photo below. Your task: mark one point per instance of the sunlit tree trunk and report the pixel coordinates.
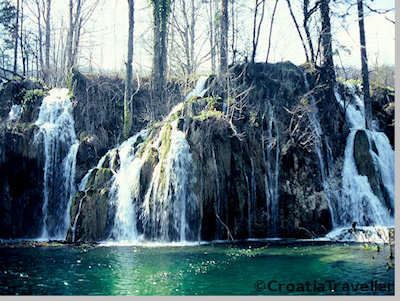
(364, 64)
(326, 43)
(16, 35)
(224, 24)
(129, 70)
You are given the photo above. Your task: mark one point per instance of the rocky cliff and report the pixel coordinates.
(258, 154)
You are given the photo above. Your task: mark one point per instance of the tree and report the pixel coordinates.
(161, 12)
(270, 30)
(16, 36)
(47, 40)
(7, 30)
(326, 44)
(185, 49)
(224, 25)
(307, 14)
(128, 80)
(298, 29)
(257, 26)
(79, 13)
(364, 64)
(212, 35)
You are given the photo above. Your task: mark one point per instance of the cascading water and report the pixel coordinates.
(324, 172)
(15, 113)
(125, 190)
(169, 202)
(57, 137)
(271, 161)
(170, 198)
(359, 203)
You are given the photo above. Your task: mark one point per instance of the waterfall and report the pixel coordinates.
(271, 161)
(359, 203)
(200, 89)
(125, 190)
(253, 196)
(170, 198)
(57, 136)
(15, 113)
(169, 202)
(324, 170)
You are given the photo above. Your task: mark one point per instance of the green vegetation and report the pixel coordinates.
(204, 115)
(30, 96)
(165, 141)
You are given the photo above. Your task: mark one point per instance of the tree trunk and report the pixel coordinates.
(223, 68)
(129, 70)
(70, 34)
(40, 40)
(212, 36)
(270, 30)
(257, 27)
(161, 10)
(47, 41)
(326, 44)
(233, 28)
(16, 34)
(364, 65)
(296, 24)
(21, 39)
(306, 14)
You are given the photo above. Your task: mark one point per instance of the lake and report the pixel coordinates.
(210, 269)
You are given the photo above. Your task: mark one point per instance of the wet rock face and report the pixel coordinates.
(383, 110)
(242, 170)
(21, 163)
(254, 175)
(366, 166)
(303, 206)
(21, 184)
(91, 211)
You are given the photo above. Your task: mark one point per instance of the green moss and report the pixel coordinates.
(352, 82)
(153, 128)
(30, 96)
(165, 141)
(204, 115)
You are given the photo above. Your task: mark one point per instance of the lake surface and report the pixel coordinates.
(246, 269)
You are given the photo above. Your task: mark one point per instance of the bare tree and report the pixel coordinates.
(185, 49)
(270, 30)
(257, 26)
(79, 13)
(224, 25)
(161, 12)
(16, 36)
(21, 38)
(48, 39)
(212, 28)
(307, 14)
(326, 43)
(364, 64)
(128, 80)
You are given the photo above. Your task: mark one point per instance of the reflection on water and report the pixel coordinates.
(201, 270)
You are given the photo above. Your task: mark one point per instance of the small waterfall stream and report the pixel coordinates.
(170, 198)
(272, 163)
(125, 190)
(323, 168)
(359, 203)
(57, 137)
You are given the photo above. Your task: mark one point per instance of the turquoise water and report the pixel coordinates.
(198, 270)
